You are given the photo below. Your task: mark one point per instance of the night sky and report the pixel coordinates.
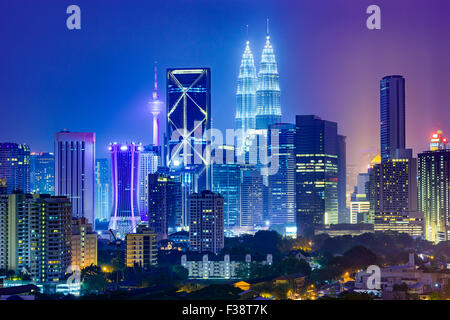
(100, 78)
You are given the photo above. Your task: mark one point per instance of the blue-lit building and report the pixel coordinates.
(317, 172)
(227, 182)
(252, 201)
(103, 189)
(15, 166)
(392, 115)
(282, 183)
(246, 97)
(188, 119)
(268, 90)
(150, 160)
(42, 177)
(125, 181)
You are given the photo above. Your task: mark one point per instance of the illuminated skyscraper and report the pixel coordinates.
(392, 115)
(103, 189)
(15, 166)
(282, 183)
(252, 202)
(74, 171)
(42, 167)
(246, 93)
(317, 173)
(434, 188)
(188, 119)
(155, 105)
(125, 180)
(148, 163)
(268, 90)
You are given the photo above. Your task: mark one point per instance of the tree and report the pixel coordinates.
(291, 265)
(93, 279)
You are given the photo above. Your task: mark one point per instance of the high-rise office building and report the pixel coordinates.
(392, 115)
(252, 201)
(434, 188)
(83, 244)
(15, 166)
(141, 250)
(206, 230)
(125, 181)
(103, 189)
(282, 184)
(227, 182)
(42, 173)
(149, 161)
(37, 234)
(164, 204)
(268, 90)
(395, 200)
(188, 122)
(74, 171)
(317, 173)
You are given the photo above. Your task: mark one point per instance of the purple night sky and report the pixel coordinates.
(100, 78)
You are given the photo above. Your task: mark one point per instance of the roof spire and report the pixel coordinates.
(267, 28)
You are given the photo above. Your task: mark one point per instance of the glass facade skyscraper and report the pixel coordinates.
(317, 167)
(125, 181)
(227, 182)
(282, 183)
(392, 115)
(150, 158)
(188, 119)
(42, 177)
(103, 189)
(15, 166)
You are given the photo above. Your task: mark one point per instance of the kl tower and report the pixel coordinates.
(155, 108)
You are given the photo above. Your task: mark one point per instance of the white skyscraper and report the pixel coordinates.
(74, 171)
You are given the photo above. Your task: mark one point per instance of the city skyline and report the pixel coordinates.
(298, 54)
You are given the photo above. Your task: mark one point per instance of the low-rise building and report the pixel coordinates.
(141, 248)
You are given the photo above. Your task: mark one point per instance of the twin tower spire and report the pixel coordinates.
(258, 94)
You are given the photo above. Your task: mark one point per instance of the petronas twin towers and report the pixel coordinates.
(258, 94)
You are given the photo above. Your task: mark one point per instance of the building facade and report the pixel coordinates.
(84, 244)
(392, 115)
(317, 173)
(188, 123)
(74, 171)
(206, 225)
(434, 190)
(281, 191)
(125, 215)
(148, 164)
(42, 173)
(141, 249)
(15, 166)
(164, 204)
(103, 189)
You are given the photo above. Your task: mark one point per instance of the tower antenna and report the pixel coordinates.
(156, 77)
(247, 30)
(267, 26)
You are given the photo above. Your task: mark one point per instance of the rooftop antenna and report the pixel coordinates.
(267, 28)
